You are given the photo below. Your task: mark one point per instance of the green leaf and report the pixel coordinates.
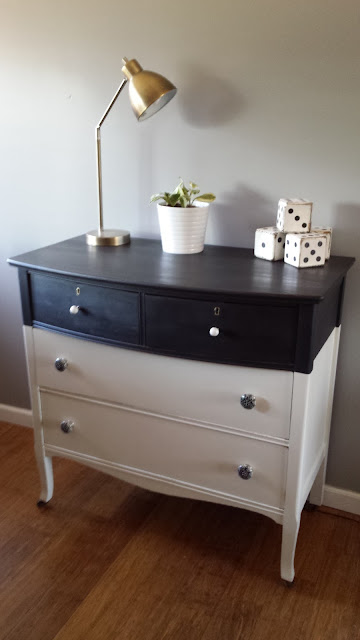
(156, 196)
(185, 192)
(206, 197)
(173, 199)
(179, 187)
(182, 196)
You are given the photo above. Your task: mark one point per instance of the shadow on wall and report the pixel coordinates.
(346, 242)
(347, 229)
(345, 437)
(239, 213)
(207, 100)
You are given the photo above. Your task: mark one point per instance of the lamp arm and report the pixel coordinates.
(98, 153)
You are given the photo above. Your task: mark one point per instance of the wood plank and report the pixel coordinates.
(50, 558)
(106, 560)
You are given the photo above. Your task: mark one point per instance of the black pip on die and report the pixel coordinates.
(327, 231)
(269, 243)
(305, 249)
(294, 216)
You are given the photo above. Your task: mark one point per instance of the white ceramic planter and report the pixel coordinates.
(183, 229)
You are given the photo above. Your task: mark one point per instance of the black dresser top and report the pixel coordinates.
(221, 270)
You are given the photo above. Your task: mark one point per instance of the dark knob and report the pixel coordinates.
(248, 401)
(61, 364)
(67, 426)
(245, 471)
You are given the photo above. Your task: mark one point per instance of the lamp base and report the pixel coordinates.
(107, 237)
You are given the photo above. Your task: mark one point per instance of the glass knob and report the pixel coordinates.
(214, 331)
(245, 471)
(67, 426)
(248, 401)
(74, 309)
(61, 364)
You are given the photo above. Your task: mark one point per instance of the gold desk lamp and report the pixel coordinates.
(148, 92)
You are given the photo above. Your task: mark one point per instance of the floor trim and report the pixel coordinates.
(16, 415)
(342, 499)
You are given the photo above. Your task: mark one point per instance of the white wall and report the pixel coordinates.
(268, 106)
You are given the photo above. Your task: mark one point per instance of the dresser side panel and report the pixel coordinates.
(309, 429)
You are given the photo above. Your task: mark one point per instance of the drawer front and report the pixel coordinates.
(104, 312)
(188, 389)
(202, 457)
(248, 334)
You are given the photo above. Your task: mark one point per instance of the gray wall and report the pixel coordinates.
(268, 106)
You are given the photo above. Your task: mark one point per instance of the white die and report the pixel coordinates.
(327, 231)
(294, 216)
(269, 243)
(305, 249)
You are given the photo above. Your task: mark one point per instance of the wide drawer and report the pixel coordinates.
(168, 449)
(176, 387)
(247, 334)
(104, 312)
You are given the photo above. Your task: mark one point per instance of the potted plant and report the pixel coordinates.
(183, 215)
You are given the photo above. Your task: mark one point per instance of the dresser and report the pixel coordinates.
(207, 376)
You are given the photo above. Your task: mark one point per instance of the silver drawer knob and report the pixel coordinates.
(74, 309)
(61, 364)
(67, 426)
(245, 471)
(248, 401)
(214, 331)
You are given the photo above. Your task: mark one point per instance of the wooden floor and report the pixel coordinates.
(108, 561)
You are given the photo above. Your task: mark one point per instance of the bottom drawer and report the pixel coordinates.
(200, 456)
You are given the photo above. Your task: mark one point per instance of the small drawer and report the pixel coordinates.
(189, 389)
(177, 451)
(100, 311)
(223, 332)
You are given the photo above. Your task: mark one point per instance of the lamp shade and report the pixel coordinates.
(148, 91)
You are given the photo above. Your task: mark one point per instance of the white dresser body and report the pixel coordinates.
(177, 426)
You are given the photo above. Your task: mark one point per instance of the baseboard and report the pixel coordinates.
(342, 499)
(16, 415)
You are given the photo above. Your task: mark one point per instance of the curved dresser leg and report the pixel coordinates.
(289, 537)
(46, 479)
(44, 462)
